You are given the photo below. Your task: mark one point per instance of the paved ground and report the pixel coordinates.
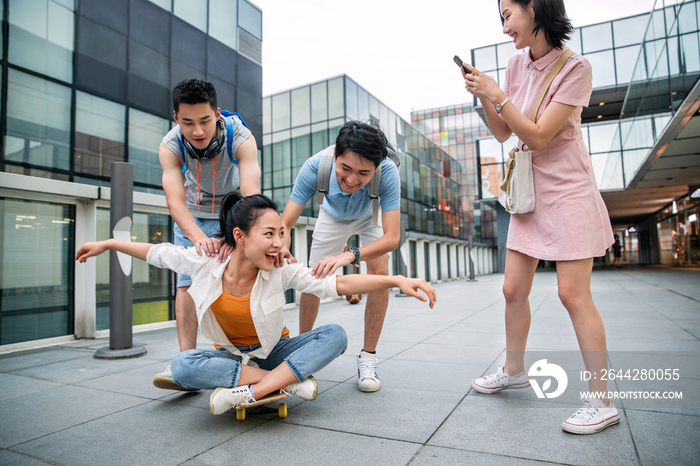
(60, 406)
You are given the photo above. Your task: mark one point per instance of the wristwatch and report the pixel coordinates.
(500, 106)
(357, 255)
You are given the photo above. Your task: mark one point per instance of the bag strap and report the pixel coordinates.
(555, 71)
(324, 173)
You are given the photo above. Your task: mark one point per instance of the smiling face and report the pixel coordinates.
(198, 123)
(353, 171)
(263, 241)
(518, 22)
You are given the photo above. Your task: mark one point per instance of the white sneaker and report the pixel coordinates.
(224, 399)
(494, 383)
(367, 380)
(165, 381)
(593, 417)
(306, 389)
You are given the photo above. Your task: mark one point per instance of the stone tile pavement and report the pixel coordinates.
(59, 405)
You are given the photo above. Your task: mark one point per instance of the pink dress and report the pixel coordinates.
(570, 220)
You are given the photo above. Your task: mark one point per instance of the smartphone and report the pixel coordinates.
(461, 63)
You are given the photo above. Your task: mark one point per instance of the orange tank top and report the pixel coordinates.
(233, 315)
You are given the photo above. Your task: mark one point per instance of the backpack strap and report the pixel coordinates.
(375, 182)
(228, 118)
(324, 173)
(182, 153)
(373, 191)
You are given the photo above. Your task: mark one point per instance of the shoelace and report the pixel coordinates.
(240, 395)
(586, 412)
(289, 389)
(493, 378)
(367, 368)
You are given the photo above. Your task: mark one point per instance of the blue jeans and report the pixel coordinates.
(210, 227)
(305, 355)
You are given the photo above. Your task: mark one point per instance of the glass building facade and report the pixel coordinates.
(457, 129)
(300, 122)
(84, 84)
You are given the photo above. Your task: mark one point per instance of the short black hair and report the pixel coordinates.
(194, 91)
(550, 17)
(365, 139)
(241, 212)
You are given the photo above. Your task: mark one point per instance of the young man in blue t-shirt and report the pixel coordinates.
(359, 151)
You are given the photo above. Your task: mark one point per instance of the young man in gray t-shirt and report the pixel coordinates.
(220, 155)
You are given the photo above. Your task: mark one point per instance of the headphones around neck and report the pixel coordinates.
(208, 152)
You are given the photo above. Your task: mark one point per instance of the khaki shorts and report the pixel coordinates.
(331, 234)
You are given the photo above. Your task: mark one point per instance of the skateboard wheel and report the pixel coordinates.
(240, 414)
(282, 410)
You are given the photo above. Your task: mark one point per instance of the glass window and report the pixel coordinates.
(34, 134)
(99, 134)
(687, 21)
(490, 150)
(690, 53)
(319, 137)
(362, 104)
(37, 281)
(41, 37)
(222, 17)
(575, 42)
(319, 102)
(603, 136)
(301, 106)
(167, 5)
(485, 58)
(336, 100)
(505, 52)
(193, 12)
(633, 160)
(250, 18)
(603, 64)
(636, 134)
(151, 286)
(625, 61)
(280, 112)
(351, 99)
(145, 133)
(630, 31)
(267, 115)
(597, 37)
(301, 148)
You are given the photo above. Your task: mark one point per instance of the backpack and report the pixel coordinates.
(228, 118)
(324, 176)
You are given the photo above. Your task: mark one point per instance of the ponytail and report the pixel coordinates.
(241, 212)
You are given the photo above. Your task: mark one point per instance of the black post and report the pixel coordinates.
(120, 276)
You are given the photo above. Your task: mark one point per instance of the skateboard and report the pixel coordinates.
(274, 396)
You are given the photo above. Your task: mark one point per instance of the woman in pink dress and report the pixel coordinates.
(570, 223)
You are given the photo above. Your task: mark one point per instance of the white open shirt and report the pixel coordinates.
(266, 297)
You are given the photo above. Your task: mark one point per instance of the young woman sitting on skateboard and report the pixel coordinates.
(239, 307)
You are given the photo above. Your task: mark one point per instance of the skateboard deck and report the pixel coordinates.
(274, 396)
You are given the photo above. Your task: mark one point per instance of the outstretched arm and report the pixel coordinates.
(137, 250)
(360, 283)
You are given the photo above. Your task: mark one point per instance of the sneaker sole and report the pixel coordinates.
(369, 390)
(315, 394)
(490, 391)
(582, 430)
(211, 402)
(168, 384)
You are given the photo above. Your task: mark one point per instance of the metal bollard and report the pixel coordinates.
(120, 276)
